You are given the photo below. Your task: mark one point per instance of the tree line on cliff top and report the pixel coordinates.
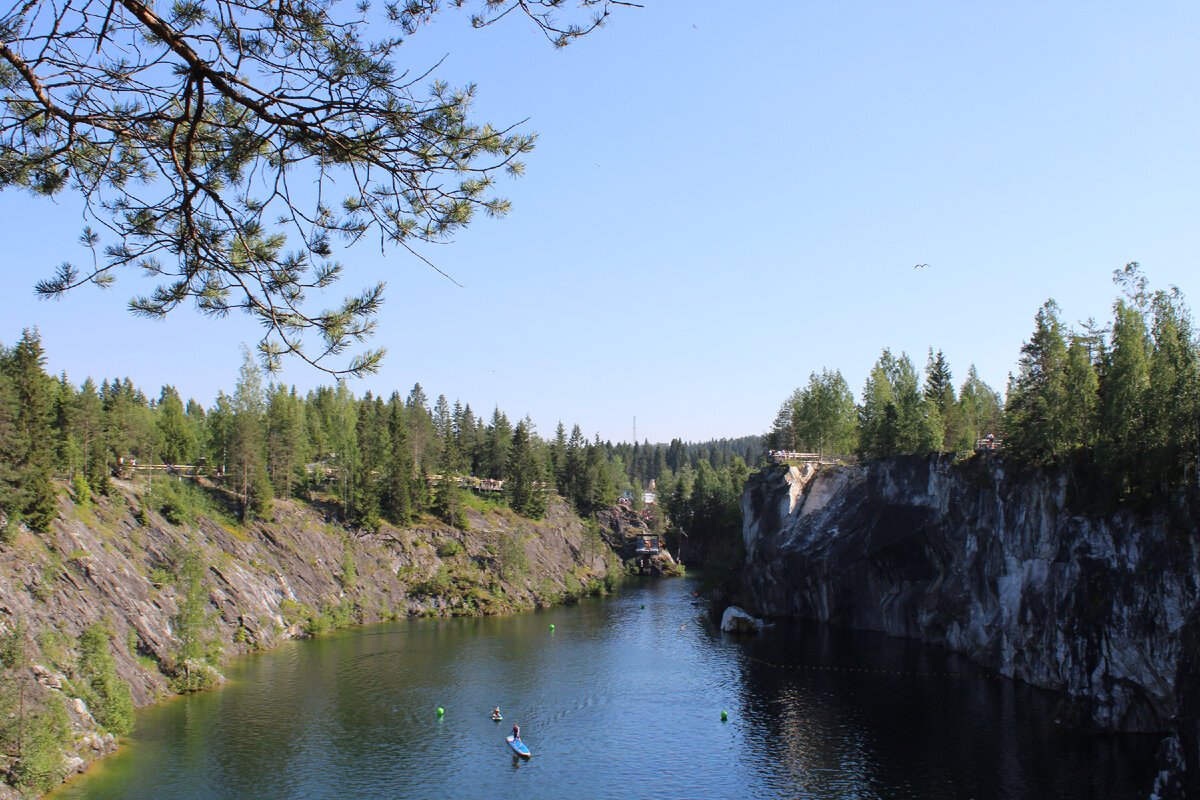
(374, 459)
(1117, 405)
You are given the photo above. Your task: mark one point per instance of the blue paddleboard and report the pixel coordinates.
(519, 746)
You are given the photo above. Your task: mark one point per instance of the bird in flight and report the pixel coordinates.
(918, 266)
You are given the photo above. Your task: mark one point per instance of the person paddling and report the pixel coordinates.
(496, 713)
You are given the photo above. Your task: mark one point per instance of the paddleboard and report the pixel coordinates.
(518, 746)
(497, 719)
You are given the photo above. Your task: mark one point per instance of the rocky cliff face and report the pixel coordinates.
(622, 528)
(265, 582)
(994, 566)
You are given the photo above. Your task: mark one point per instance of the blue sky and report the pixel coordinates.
(721, 203)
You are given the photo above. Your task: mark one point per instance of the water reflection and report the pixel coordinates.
(845, 713)
(621, 700)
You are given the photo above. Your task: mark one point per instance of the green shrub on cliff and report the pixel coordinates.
(107, 695)
(81, 490)
(448, 504)
(438, 585)
(35, 741)
(331, 617)
(513, 561)
(192, 625)
(449, 548)
(261, 493)
(13, 646)
(349, 576)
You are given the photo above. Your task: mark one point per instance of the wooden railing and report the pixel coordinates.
(792, 457)
(788, 456)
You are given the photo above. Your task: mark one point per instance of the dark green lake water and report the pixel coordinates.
(622, 700)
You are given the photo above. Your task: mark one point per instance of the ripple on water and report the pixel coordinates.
(621, 700)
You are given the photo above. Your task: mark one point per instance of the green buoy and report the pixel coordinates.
(724, 716)
(441, 711)
(551, 626)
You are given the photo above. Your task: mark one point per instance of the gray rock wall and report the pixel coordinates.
(263, 582)
(994, 566)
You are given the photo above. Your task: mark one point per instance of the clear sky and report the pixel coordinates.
(727, 197)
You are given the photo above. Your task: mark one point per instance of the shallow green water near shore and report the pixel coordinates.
(621, 700)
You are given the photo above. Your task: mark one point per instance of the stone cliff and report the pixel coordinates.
(1104, 609)
(116, 563)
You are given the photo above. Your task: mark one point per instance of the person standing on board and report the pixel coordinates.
(516, 732)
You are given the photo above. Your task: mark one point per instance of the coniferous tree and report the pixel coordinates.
(877, 416)
(919, 426)
(420, 433)
(558, 460)
(1124, 387)
(455, 450)
(448, 503)
(523, 484)
(174, 433)
(374, 444)
(977, 413)
(13, 446)
(677, 493)
(287, 438)
(1173, 399)
(398, 502)
(496, 445)
(783, 429)
(597, 488)
(939, 390)
(447, 445)
(574, 469)
(219, 433)
(1081, 389)
(1035, 429)
(465, 442)
(825, 415)
(69, 450)
(676, 455)
(342, 435)
(247, 441)
(89, 431)
(31, 452)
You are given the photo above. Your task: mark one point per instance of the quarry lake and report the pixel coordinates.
(621, 699)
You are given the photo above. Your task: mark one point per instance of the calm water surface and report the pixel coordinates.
(622, 700)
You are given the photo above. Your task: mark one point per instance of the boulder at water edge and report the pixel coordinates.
(735, 620)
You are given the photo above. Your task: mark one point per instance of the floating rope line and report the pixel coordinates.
(872, 670)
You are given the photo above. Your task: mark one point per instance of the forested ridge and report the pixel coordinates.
(372, 459)
(1116, 405)
(360, 504)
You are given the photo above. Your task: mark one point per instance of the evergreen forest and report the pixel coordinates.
(1115, 405)
(367, 458)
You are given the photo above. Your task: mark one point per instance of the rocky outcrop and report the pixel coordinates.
(623, 529)
(1179, 754)
(116, 563)
(994, 566)
(735, 620)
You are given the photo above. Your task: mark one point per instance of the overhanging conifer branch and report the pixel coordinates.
(179, 127)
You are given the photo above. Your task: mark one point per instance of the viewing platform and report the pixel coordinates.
(816, 459)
